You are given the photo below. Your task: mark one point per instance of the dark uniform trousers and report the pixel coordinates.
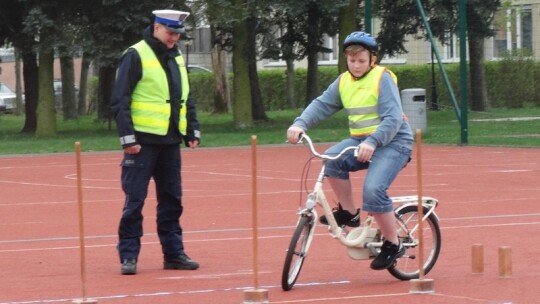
(162, 163)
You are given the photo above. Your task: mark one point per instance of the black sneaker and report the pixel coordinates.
(388, 255)
(343, 217)
(129, 266)
(182, 261)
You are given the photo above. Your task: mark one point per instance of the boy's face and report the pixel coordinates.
(359, 63)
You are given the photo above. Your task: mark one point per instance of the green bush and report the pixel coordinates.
(202, 90)
(513, 82)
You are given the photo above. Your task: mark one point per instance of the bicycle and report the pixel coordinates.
(364, 242)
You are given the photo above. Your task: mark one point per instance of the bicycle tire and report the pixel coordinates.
(407, 267)
(297, 251)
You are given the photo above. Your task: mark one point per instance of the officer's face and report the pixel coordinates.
(359, 63)
(166, 36)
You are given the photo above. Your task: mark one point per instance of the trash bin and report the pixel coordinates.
(413, 102)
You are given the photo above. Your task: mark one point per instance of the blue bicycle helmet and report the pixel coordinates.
(361, 38)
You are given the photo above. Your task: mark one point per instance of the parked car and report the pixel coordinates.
(8, 98)
(197, 69)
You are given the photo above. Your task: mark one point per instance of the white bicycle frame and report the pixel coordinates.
(359, 241)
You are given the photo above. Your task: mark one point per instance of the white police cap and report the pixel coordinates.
(172, 19)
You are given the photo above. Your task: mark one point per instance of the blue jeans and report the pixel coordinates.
(383, 169)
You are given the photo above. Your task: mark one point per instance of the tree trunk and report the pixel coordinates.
(242, 117)
(107, 76)
(31, 89)
(291, 81)
(312, 77)
(18, 83)
(479, 99)
(219, 67)
(257, 106)
(83, 85)
(347, 25)
(67, 99)
(46, 114)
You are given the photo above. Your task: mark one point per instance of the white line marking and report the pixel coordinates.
(169, 293)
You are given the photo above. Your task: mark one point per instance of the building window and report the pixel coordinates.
(450, 49)
(331, 43)
(516, 32)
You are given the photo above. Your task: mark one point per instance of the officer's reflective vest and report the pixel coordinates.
(150, 101)
(360, 99)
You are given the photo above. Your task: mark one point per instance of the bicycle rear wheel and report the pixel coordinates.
(407, 267)
(297, 251)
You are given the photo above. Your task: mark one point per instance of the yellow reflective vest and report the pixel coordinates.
(360, 98)
(150, 101)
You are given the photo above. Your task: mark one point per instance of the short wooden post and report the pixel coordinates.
(477, 256)
(505, 262)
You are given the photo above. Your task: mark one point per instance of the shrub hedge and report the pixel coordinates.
(511, 83)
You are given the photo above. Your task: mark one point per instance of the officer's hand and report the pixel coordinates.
(293, 134)
(193, 144)
(133, 149)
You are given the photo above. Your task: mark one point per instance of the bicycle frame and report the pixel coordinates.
(363, 242)
(362, 236)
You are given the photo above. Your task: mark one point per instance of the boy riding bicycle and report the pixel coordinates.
(370, 95)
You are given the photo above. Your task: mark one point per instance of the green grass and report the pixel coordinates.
(218, 131)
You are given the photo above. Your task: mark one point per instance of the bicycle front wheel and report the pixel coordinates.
(297, 251)
(407, 267)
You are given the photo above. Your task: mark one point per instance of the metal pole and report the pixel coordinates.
(434, 105)
(463, 69)
(368, 16)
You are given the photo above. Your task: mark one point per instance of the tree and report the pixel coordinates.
(283, 39)
(257, 107)
(302, 26)
(69, 105)
(480, 15)
(239, 19)
(321, 19)
(242, 107)
(46, 115)
(219, 63)
(398, 20)
(69, 24)
(347, 23)
(40, 19)
(210, 12)
(401, 18)
(11, 29)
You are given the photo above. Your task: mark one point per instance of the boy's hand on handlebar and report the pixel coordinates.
(365, 152)
(293, 134)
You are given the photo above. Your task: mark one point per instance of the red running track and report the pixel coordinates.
(487, 196)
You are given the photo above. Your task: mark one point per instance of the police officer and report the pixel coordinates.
(154, 114)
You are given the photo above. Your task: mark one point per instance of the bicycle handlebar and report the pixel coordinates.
(324, 156)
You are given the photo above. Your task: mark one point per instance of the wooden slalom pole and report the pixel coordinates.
(255, 295)
(420, 285)
(81, 226)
